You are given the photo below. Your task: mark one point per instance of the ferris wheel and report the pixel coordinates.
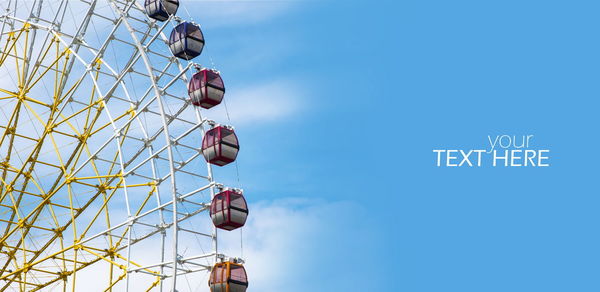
(106, 159)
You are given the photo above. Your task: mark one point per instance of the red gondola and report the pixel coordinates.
(206, 88)
(229, 210)
(161, 9)
(220, 145)
(228, 277)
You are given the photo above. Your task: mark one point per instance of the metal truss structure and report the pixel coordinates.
(102, 183)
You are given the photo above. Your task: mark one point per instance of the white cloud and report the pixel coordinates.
(268, 102)
(285, 241)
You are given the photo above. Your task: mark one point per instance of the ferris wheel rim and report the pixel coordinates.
(158, 95)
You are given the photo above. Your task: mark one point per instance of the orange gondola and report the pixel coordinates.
(228, 277)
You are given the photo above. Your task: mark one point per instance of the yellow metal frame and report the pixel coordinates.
(30, 212)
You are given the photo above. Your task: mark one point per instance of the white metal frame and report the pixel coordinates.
(128, 12)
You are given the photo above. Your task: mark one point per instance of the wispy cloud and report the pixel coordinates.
(267, 102)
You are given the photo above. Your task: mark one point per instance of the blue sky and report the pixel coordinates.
(339, 105)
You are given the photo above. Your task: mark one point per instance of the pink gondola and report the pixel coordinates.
(206, 88)
(229, 210)
(220, 145)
